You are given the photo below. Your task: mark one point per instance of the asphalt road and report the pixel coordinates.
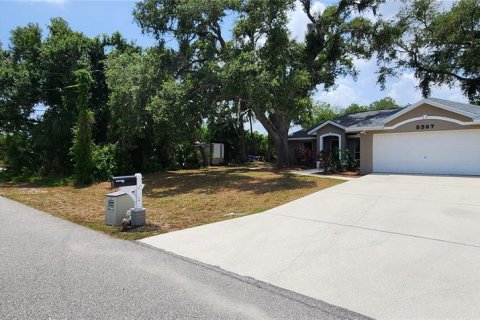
(54, 269)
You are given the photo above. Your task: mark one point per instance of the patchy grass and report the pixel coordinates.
(174, 199)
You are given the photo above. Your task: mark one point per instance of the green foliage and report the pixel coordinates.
(318, 113)
(329, 161)
(337, 160)
(354, 108)
(151, 112)
(3, 146)
(152, 105)
(105, 162)
(129, 80)
(20, 78)
(386, 103)
(186, 156)
(82, 148)
(440, 46)
(37, 96)
(19, 155)
(323, 111)
(63, 52)
(348, 161)
(257, 144)
(261, 68)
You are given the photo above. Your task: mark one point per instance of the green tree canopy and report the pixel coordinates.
(261, 66)
(82, 148)
(322, 111)
(38, 97)
(20, 78)
(440, 46)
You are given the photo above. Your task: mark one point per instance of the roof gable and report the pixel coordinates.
(466, 110)
(353, 120)
(467, 107)
(333, 123)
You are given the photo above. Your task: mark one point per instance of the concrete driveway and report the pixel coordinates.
(386, 246)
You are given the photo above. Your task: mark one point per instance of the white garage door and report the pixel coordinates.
(439, 152)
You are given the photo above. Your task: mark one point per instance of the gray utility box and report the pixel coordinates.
(116, 206)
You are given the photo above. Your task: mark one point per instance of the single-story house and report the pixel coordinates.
(432, 136)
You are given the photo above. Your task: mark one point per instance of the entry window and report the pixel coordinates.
(357, 150)
(307, 145)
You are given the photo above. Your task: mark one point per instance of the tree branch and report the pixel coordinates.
(424, 68)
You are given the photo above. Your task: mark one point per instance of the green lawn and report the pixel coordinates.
(174, 199)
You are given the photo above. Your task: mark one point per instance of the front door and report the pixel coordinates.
(334, 144)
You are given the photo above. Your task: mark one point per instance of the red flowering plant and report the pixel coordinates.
(305, 157)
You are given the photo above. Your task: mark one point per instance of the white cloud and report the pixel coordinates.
(343, 94)
(298, 19)
(405, 90)
(444, 92)
(390, 8)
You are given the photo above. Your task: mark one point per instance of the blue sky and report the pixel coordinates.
(97, 17)
(90, 17)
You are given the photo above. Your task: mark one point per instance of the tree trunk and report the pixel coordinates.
(241, 140)
(254, 147)
(280, 142)
(269, 149)
(241, 132)
(277, 125)
(205, 159)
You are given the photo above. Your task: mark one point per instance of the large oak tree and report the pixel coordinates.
(260, 65)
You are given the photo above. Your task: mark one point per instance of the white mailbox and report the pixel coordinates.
(132, 186)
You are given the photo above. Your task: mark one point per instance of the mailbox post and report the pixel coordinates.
(133, 186)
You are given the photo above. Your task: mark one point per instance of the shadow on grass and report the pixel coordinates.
(256, 180)
(9, 181)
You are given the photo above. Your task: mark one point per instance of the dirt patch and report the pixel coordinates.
(350, 174)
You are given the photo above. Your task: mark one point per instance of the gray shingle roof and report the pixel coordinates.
(366, 119)
(302, 133)
(471, 108)
(374, 119)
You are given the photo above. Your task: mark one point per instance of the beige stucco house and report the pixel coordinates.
(432, 136)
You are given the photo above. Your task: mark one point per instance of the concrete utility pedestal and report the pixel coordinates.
(137, 217)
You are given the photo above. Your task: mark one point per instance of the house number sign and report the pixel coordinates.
(425, 126)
